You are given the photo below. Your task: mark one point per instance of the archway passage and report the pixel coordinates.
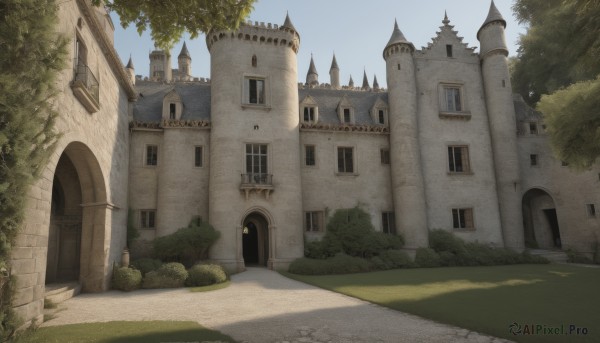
(64, 236)
(255, 240)
(540, 220)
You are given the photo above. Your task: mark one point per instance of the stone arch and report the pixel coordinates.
(540, 219)
(257, 237)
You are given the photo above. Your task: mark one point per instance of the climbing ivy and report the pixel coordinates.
(32, 55)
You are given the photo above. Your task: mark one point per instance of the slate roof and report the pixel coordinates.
(328, 100)
(524, 112)
(195, 97)
(397, 36)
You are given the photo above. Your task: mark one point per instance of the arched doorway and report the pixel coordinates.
(255, 240)
(540, 221)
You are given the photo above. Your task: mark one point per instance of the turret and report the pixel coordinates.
(405, 157)
(375, 84)
(501, 118)
(312, 77)
(351, 82)
(365, 83)
(334, 74)
(185, 64)
(130, 71)
(160, 66)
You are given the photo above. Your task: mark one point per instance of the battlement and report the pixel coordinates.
(199, 80)
(348, 88)
(258, 32)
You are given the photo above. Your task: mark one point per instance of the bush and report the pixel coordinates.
(205, 274)
(339, 264)
(126, 279)
(574, 256)
(442, 240)
(169, 275)
(187, 245)
(146, 265)
(427, 258)
(396, 259)
(325, 248)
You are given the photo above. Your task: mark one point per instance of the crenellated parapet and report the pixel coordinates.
(259, 33)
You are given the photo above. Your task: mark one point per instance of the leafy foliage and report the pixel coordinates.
(427, 258)
(168, 20)
(32, 56)
(187, 245)
(146, 265)
(169, 275)
(126, 279)
(132, 231)
(205, 274)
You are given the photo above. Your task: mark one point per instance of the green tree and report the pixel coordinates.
(32, 54)
(557, 69)
(168, 20)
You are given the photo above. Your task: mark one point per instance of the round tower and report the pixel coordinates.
(312, 77)
(407, 178)
(184, 61)
(254, 187)
(501, 114)
(334, 74)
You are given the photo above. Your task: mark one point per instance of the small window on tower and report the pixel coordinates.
(254, 60)
(533, 160)
(533, 129)
(449, 50)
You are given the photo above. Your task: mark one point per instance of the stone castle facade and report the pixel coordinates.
(266, 159)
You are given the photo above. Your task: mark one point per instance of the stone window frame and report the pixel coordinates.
(311, 218)
(305, 156)
(384, 154)
(307, 103)
(150, 214)
(146, 151)
(534, 160)
(201, 147)
(463, 218)
(465, 158)
(268, 156)
(170, 99)
(452, 113)
(354, 171)
(388, 217)
(246, 104)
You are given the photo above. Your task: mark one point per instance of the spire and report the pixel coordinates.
(493, 15)
(375, 83)
(288, 23)
(334, 64)
(312, 77)
(446, 21)
(398, 37)
(184, 52)
(351, 82)
(365, 84)
(130, 63)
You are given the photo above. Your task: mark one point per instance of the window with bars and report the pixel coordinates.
(385, 156)
(147, 219)
(462, 218)
(345, 159)
(151, 155)
(309, 155)
(388, 223)
(313, 221)
(458, 159)
(453, 99)
(198, 156)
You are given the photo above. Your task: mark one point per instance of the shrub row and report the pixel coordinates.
(168, 275)
(187, 245)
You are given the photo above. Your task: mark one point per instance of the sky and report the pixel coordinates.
(357, 31)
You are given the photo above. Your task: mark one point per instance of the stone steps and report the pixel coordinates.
(554, 256)
(58, 293)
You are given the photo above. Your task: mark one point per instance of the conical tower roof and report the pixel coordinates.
(288, 23)
(334, 64)
(375, 83)
(184, 52)
(312, 69)
(493, 15)
(351, 82)
(365, 84)
(397, 36)
(129, 64)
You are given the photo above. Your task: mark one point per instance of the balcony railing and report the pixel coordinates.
(257, 182)
(86, 87)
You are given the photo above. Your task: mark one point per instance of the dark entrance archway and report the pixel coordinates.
(540, 221)
(255, 240)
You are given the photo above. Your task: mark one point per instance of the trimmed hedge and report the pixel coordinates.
(169, 275)
(187, 245)
(427, 258)
(339, 264)
(126, 279)
(205, 274)
(146, 265)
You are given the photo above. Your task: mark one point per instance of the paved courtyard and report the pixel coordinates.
(262, 306)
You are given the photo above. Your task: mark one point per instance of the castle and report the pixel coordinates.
(266, 159)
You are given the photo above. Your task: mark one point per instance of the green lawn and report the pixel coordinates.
(125, 332)
(486, 299)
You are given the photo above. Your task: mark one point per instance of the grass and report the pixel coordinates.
(210, 287)
(485, 299)
(124, 332)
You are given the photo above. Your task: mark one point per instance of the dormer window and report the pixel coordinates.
(347, 116)
(309, 114)
(379, 112)
(381, 116)
(309, 110)
(346, 111)
(172, 110)
(172, 106)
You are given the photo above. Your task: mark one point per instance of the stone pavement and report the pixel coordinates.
(261, 306)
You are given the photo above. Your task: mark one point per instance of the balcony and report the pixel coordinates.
(86, 88)
(257, 182)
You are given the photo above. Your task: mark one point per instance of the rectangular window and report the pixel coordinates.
(388, 223)
(533, 160)
(256, 163)
(309, 155)
(453, 99)
(345, 160)
(347, 116)
(458, 159)
(449, 50)
(313, 221)
(147, 219)
(172, 111)
(381, 117)
(198, 156)
(309, 114)
(256, 91)
(591, 210)
(385, 156)
(462, 218)
(533, 129)
(151, 155)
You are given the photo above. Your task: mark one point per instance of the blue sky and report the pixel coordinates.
(356, 30)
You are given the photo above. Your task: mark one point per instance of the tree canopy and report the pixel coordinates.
(557, 69)
(169, 19)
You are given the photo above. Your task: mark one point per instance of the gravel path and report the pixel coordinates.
(262, 306)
